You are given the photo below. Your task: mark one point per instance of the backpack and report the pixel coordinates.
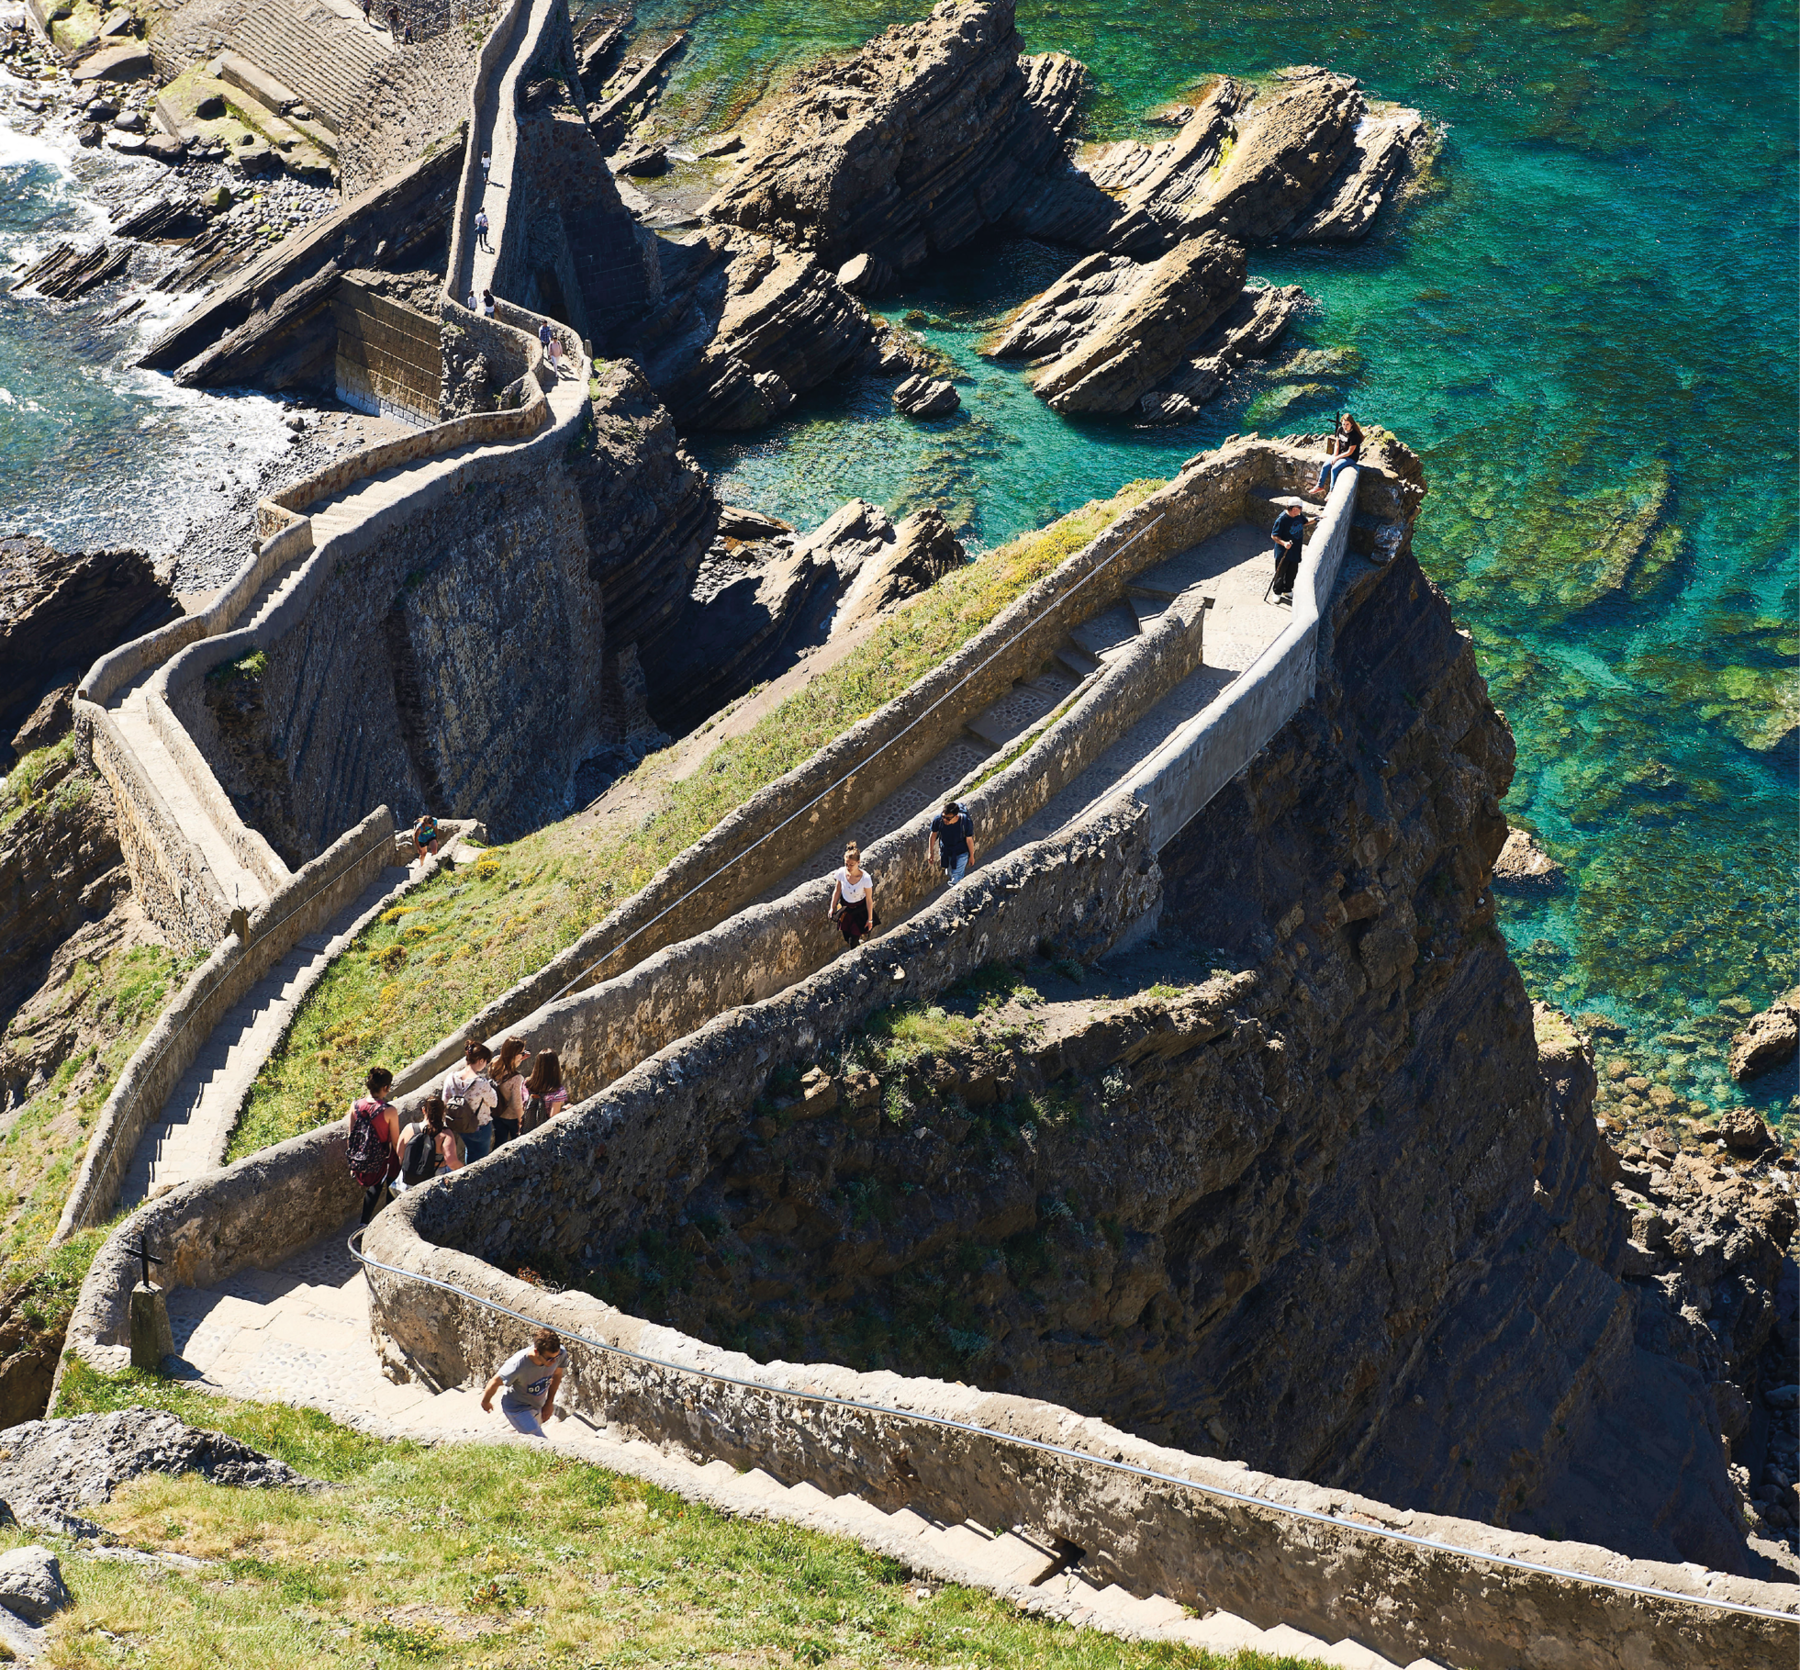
(371, 1160)
(420, 1158)
(536, 1112)
(460, 1114)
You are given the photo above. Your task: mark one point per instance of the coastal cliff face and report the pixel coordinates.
(1338, 1208)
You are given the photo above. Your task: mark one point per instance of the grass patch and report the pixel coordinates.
(253, 665)
(35, 778)
(468, 936)
(89, 1025)
(509, 1556)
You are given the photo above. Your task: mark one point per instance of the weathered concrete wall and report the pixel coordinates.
(305, 904)
(388, 358)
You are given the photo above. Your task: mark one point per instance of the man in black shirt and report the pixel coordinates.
(1289, 534)
(952, 842)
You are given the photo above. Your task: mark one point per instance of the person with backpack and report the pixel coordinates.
(952, 842)
(508, 1079)
(373, 1148)
(469, 1102)
(530, 1378)
(545, 1094)
(426, 1147)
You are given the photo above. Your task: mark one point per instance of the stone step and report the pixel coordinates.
(1107, 632)
(1077, 660)
(1296, 1643)
(1219, 1632)
(1017, 711)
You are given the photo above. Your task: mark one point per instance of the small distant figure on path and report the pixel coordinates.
(469, 1102)
(1289, 534)
(1342, 452)
(366, 5)
(852, 904)
(488, 309)
(481, 230)
(426, 837)
(507, 1074)
(374, 1142)
(552, 345)
(426, 1147)
(487, 162)
(393, 17)
(545, 1094)
(530, 1378)
(952, 842)
(474, 302)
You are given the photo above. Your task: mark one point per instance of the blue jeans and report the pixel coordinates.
(1329, 472)
(953, 873)
(478, 1144)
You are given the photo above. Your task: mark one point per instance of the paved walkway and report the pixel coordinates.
(196, 1124)
(300, 1335)
(1233, 567)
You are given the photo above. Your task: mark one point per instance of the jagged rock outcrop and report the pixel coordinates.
(746, 325)
(1710, 1237)
(51, 1468)
(1768, 1040)
(926, 397)
(759, 601)
(59, 612)
(1118, 327)
(571, 248)
(1524, 867)
(648, 507)
(912, 145)
(60, 867)
(1305, 159)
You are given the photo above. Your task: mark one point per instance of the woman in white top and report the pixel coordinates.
(853, 898)
(470, 1084)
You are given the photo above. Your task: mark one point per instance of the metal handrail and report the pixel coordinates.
(1041, 1447)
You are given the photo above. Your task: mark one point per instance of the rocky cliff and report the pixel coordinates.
(60, 611)
(1310, 1187)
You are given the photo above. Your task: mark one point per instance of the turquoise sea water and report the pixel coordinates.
(1586, 325)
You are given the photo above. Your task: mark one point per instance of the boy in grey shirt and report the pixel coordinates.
(530, 1378)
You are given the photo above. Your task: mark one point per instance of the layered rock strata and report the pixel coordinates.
(760, 601)
(910, 147)
(1236, 1216)
(1112, 329)
(745, 326)
(59, 612)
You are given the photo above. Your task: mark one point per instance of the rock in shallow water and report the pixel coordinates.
(1769, 1040)
(1524, 867)
(927, 397)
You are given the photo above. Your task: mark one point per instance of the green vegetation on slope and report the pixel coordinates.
(462, 939)
(503, 1556)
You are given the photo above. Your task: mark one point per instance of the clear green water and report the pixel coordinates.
(1590, 321)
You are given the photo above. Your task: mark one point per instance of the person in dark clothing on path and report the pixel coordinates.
(1343, 452)
(952, 842)
(374, 1141)
(1289, 534)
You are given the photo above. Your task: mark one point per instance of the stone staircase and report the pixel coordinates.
(300, 1334)
(319, 52)
(1233, 568)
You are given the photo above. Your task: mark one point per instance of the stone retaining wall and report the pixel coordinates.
(735, 861)
(603, 1031)
(309, 900)
(389, 360)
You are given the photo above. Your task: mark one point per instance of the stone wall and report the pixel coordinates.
(874, 757)
(388, 360)
(310, 900)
